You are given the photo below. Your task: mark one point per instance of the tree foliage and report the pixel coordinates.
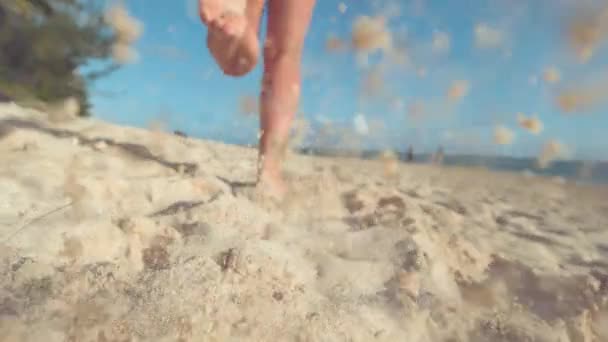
(45, 44)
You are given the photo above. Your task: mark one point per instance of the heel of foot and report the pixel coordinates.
(236, 56)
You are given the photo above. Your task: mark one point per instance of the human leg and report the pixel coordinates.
(288, 23)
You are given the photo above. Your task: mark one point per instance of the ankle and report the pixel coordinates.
(269, 168)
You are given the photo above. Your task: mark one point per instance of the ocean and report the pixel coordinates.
(574, 170)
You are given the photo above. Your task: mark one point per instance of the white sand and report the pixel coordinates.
(106, 241)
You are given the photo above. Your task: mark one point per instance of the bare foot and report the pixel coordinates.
(272, 184)
(231, 40)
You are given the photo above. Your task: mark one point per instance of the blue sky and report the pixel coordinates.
(177, 82)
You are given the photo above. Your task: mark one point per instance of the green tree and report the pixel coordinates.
(44, 44)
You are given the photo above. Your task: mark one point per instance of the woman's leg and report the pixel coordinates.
(288, 22)
(232, 38)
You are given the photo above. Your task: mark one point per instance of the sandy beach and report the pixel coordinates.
(111, 233)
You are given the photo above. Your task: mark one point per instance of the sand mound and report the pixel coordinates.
(105, 239)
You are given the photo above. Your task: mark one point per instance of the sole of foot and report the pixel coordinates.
(231, 40)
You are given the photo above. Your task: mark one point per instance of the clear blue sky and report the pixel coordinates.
(177, 82)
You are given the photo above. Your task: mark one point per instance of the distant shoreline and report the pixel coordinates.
(577, 170)
(583, 171)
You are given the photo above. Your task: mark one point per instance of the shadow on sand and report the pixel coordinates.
(136, 150)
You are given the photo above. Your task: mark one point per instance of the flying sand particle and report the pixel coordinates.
(458, 90)
(487, 37)
(503, 135)
(127, 28)
(441, 42)
(334, 44)
(551, 75)
(416, 110)
(390, 163)
(551, 151)
(573, 100)
(583, 98)
(531, 124)
(124, 54)
(371, 34)
(342, 8)
(248, 105)
(586, 31)
(373, 82)
(360, 124)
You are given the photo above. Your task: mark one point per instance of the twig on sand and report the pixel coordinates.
(177, 207)
(183, 206)
(236, 185)
(36, 219)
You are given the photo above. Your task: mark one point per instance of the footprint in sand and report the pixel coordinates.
(388, 211)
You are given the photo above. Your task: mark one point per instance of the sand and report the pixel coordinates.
(112, 233)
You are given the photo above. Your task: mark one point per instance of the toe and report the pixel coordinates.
(208, 10)
(234, 24)
(218, 27)
(214, 24)
(205, 16)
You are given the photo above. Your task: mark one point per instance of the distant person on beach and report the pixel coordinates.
(232, 39)
(410, 154)
(439, 156)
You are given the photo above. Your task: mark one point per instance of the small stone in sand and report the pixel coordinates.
(227, 259)
(156, 258)
(277, 295)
